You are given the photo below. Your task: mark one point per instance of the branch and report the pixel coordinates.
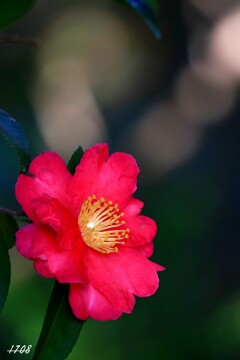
(19, 40)
(18, 215)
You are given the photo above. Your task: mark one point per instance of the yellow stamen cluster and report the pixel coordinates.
(101, 225)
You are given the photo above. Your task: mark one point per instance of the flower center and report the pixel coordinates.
(101, 226)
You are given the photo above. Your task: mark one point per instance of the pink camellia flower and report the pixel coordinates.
(87, 231)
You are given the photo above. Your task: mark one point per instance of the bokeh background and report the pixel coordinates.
(101, 76)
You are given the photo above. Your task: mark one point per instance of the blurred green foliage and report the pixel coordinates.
(195, 314)
(11, 10)
(5, 271)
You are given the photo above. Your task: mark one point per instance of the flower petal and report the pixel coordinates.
(51, 212)
(67, 266)
(142, 228)
(111, 177)
(42, 269)
(146, 250)
(36, 242)
(48, 175)
(118, 276)
(41, 244)
(86, 302)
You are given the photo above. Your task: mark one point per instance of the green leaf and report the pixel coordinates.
(60, 329)
(8, 228)
(15, 135)
(5, 272)
(75, 160)
(11, 10)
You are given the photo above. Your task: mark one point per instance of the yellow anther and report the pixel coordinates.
(99, 224)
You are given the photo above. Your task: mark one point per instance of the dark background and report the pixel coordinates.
(100, 76)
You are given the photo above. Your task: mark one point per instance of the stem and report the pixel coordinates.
(19, 40)
(17, 214)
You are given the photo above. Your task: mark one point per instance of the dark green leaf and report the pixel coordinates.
(5, 272)
(60, 329)
(11, 10)
(75, 159)
(15, 135)
(154, 4)
(147, 9)
(8, 228)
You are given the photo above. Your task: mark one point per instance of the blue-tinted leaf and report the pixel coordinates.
(11, 10)
(60, 330)
(146, 11)
(5, 272)
(15, 135)
(8, 228)
(75, 160)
